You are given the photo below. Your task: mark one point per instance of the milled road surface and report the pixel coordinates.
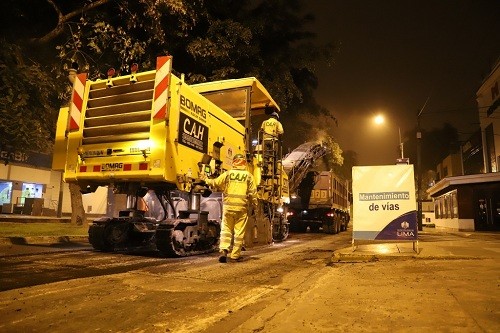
(287, 287)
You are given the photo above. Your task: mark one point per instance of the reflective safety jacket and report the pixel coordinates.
(271, 128)
(238, 187)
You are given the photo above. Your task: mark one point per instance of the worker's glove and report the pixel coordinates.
(201, 179)
(199, 183)
(202, 187)
(206, 193)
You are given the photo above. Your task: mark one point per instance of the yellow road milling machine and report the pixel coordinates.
(148, 136)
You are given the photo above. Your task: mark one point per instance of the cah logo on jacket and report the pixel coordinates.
(238, 176)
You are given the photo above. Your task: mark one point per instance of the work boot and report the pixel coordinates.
(223, 257)
(239, 259)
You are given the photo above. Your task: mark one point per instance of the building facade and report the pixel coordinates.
(467, 203)
(27, 176)
(471, 201)
(488, 101)
(29, 186)
(451, 165)
(472, 154)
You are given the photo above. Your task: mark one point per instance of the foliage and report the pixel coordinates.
(334, 155)
(350, 159)
(341, 162)
(28, 102)
(210, 40)
(122, 32)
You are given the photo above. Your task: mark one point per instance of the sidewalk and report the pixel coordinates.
(432, 244)
(16, 218)
(43, 240)
(25, 220)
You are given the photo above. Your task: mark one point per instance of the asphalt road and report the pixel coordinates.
(30, 265)
(287, 287)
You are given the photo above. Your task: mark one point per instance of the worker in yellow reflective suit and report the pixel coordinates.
(239, 190)
(272, 130)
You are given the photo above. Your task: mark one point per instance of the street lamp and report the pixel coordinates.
(379, 119)
(401, 143)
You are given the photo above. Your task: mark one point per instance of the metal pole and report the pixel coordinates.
(419, 166)
(419, 178)
(401, 143)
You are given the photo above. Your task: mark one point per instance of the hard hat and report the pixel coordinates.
(239, 160)
(238, 156)
(275, 114)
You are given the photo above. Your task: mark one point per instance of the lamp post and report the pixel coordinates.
(401, 143)
(419, 166)
(419, 171)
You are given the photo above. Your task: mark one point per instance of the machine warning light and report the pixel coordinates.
(111, 73)
(133, 70)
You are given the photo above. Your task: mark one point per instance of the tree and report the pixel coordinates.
(334, 156)
(28, 99)
(210, 40)
(350, 159)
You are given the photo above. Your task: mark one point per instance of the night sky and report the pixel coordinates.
(394, 54)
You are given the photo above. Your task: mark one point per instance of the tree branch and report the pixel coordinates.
(63, 19)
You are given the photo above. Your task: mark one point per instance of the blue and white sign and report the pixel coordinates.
(384, 203)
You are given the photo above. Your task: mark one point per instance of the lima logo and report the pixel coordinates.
(405, 232)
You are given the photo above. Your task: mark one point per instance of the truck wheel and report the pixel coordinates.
(327, 228)
(117, 233)
(333, 227)
(106, 237)
(98, 240)
(314, 228)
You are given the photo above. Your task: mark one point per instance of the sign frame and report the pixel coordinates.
(384, 203)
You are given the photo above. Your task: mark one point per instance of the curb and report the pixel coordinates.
(340, 258)
(351, 258)
(33, 240)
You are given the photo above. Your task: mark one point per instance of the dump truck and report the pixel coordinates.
(150, 134)
(319, 199)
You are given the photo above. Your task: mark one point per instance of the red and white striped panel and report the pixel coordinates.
(162, 81)
(75, 109)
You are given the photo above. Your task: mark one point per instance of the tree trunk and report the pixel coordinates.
(77, 211)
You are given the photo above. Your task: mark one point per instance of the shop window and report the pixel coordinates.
(441, 208)
(30, 190)
(447, 207)
(454, 205)
(5, 192)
